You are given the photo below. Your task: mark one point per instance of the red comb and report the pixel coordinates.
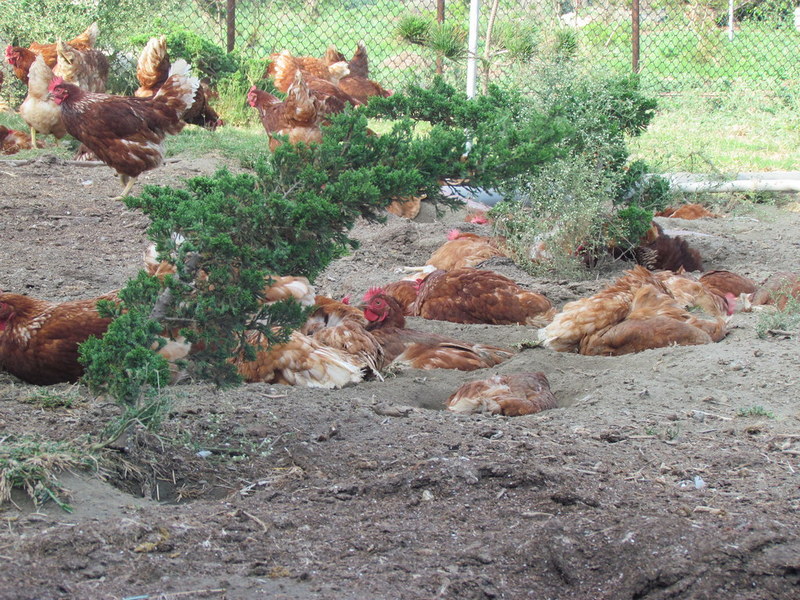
(372, 292)
(346, 299)
(54, 82)
(453, 234)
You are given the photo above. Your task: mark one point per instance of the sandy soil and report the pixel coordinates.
(645, 483)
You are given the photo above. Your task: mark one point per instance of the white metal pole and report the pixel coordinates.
(472, 47)
(730, 20)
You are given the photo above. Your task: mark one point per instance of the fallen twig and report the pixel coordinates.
(781, 332)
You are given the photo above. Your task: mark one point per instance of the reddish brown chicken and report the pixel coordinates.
(298, 117)
(152, 71)
(726, 282)
(39, 339)
(320, 79)
(356, 83)
(688, 212)
(461, 250)
(12, 141)
(777, 290)
(421, 350)
(468, 295)
(21, 58)
(511, 395)
(88, 69)
(127, 133)
(635, 313)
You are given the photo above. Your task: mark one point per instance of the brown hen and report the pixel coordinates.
(468, 295)
(635, 313)
(421, 350)
(88, 69)
(21, 58)
(39, 339)
(512, 395)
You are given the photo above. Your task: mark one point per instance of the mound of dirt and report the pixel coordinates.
(672, 473)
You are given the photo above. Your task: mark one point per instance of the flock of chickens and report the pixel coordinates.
(66, 83)
(649, 306)
(342, 344)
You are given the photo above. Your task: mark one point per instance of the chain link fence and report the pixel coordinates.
(683, 44)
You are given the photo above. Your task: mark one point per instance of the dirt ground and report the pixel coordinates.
(646, 482)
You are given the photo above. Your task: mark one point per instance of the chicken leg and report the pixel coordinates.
(33, 138)
(129, 183)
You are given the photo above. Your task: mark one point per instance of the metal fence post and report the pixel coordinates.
(439, 19)
(230, 21)
(635, 35)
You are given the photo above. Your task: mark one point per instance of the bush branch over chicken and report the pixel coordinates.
(127, 133)
(511, 395)
(21, 58)
(421, 350)
(636, 313)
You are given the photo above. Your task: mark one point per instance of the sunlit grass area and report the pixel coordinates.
(728, 133)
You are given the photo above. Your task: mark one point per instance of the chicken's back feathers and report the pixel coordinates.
(284, 65)
(422, 350)
(404, 292)
(359, 64)
(153, 67)
(465, 250)
(687, 211)
(39, 339)
(88, 69)
(469, 295)
(668, 253)
(362, 88)
(301, 106)
(586, 316)
(727, 282)
(511, 395)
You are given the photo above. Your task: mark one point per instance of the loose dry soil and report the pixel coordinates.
(646, 482)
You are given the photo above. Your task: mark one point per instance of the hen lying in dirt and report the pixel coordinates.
(635, 313)
(512, 395)
(421, 350)
(468, 295)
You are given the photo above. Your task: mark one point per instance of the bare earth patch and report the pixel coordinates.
(645, 483)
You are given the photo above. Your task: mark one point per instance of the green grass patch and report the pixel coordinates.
(245, 144)
(729, 133)
(52, 399)
(31, 464)
(780, 322)
(755, 411)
